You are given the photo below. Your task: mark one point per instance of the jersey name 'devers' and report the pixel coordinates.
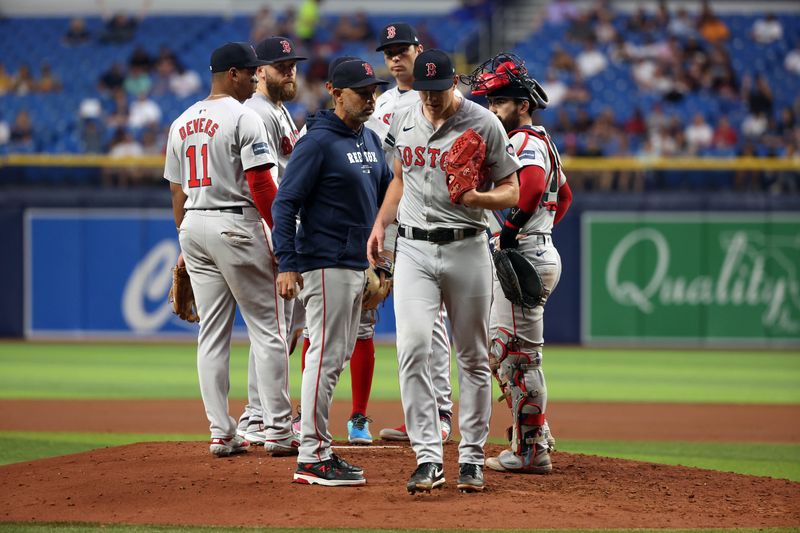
(198, 125)
(416, 156)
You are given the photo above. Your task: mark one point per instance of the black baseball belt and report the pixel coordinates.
(437, 235)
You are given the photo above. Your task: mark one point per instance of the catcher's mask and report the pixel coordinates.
(506, 75)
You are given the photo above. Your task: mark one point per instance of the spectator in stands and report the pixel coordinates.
(582, 28)
(307, 21)
(163, 71)
(5, 134)
(263, 25)
(699, 134)
(559, 12)
(92, 136)
(24, 82)
(184, 82)
(118, 115)
(77, 34)
(112, 79)
(639, 22)
(635, 126)
(48, 82)
(792, 60)
(725, 136)
(143, 112)
(758, 95)
(6, 80)
(287, 23)
(656, 119)
(662, 17)
(583, 121)
(711, 27)
(786, 124)
(754, 125)
(577, 92)
(767, 30)
(123, 145)
(562, 61)
(555, 89)
(355, 29)
(21, 136)
(681, 25)
(590, 61)
(140, 59)
(120, 28)
(604, 30)
(137, 81)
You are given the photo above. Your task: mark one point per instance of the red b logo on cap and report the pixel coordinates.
(368, 69)
(431, 69)
(287, 47)
(391, 32)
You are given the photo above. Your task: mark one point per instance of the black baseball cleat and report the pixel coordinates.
(347, 467)
(470, 478)
(427, 476)
(327, 473)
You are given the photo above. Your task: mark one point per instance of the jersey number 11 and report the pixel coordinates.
(191, 153)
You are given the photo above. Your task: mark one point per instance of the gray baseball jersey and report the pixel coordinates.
(280, 126)
(229, 258)
(457, 273)
(209, 147)
(540, 151)
(426, 201)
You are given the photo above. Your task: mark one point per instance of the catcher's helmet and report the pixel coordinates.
(506, 75)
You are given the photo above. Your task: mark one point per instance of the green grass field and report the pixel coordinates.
(159, 371)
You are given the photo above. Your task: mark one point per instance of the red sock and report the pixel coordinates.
(362, 366)
(306, 344)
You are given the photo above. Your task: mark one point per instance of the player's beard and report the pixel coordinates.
(510, 122)
(281, 91)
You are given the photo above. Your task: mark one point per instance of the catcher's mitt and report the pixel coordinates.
(181, 295)
(521, 283)
(463, 164)
(376, 289)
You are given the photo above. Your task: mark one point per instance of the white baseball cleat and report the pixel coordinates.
(507, 461)
(222, 447)
(255, 433)
(280, 447)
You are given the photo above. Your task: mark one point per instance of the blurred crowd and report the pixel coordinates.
(672, 56)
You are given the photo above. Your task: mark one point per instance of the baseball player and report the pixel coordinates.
(218, 163)
(335, 180)
(442, 257)
(277, 83)
(400, 46)
(545, 197)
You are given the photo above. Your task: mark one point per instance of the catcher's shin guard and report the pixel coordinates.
(521, 379)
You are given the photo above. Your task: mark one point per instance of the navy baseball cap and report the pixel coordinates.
(338, 61)
(433, 71)
(234, 55)
(354, 74)
(397, 33)
(275, 49)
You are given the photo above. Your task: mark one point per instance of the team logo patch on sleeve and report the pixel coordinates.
(260, 148)
(510, 149)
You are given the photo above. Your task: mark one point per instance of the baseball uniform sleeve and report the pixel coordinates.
(172, 164)
(297, 183)
(530, 150)
(500, 153)
(254, 141)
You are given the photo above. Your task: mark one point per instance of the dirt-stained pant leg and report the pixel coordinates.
(332, 299)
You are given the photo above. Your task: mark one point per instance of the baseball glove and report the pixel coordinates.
(463, 164)
(521, 283)
(376, 289)
(181, 295)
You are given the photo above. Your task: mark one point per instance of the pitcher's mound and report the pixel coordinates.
(179, 483)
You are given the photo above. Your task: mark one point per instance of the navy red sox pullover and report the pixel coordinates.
(336, 179)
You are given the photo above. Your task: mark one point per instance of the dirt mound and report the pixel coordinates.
(181, 484)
